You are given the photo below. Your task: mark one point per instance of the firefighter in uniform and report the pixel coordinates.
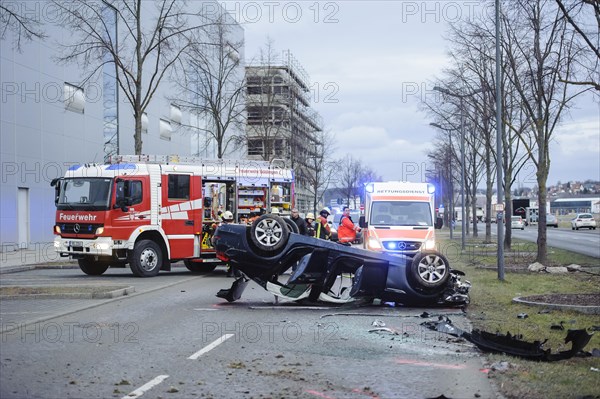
(322, 228)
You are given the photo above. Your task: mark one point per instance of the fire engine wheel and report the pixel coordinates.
(146, 259)
(269, 233)
(92, 267)
(200, 268)
(429, 271)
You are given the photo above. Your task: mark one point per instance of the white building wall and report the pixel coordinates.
(40, 139)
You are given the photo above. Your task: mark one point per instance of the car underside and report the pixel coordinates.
(325, 271)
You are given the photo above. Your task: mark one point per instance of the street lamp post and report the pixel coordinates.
(462, 153)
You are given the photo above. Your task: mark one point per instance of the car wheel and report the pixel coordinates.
(429, 271)
(269, 233)
(92, 267)
(146, 259)
(200, 267)
(293, 227)
(576, 227)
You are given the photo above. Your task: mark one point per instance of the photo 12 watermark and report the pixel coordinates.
(293, 12)
(69, 332)
(444, 11)
(271, 332)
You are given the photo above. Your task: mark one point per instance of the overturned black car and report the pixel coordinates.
(325, 271)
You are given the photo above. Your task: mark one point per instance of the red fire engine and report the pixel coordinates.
(151, 211)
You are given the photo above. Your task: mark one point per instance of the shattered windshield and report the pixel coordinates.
(400, 213)
(85, 194)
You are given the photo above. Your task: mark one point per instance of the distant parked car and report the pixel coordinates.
(583, 221)
(516, 222)
(551, 220)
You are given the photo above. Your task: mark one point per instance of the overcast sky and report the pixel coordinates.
(370, 62)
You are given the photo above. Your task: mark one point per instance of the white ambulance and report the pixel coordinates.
(399, 217)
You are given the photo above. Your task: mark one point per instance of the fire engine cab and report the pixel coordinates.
(399, 217)
(151, 211)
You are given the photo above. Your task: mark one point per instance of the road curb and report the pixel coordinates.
(556, 306)
(23, 268)
(16, 269)
(119, 292)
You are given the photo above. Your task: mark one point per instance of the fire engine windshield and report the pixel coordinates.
(400, 213)
(91, 194)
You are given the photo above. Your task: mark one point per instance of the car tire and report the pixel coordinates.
(200, 267)
(92, 267)
(146, 259)
(429, 272)
(293, 227)
(269, 233)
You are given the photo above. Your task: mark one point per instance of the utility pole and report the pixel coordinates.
(499, 134)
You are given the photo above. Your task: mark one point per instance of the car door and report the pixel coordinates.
(178, 213)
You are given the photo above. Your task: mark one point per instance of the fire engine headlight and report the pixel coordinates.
(374, 243)
(57, 229)
(429, 245)
(102, 245)
(56, 244)
(99, 230)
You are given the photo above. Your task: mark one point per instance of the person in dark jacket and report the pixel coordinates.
(299, 222)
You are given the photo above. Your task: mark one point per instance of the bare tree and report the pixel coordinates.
(349, 177)
(320, 170)
(579, 16)
(25, 26)
(150, 43)
(212, 86)
(539, 52)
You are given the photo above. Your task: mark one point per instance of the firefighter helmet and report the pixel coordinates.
(228, 216)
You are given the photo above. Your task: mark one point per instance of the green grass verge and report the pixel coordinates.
(492, 309)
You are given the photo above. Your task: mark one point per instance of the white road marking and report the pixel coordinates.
(146, 387)
(211, 346)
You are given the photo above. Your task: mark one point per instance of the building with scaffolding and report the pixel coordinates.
(280, 121)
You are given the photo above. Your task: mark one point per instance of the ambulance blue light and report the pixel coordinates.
(370, 188)
(430, 188)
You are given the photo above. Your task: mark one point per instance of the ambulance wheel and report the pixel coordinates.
(429, 272)
(146, 259)
(269, 233)
(92, 267)
(199, 267)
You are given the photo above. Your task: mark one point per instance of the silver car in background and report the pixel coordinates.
(551, 220)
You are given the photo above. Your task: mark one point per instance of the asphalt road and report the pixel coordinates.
(174, 339)
(586, 242)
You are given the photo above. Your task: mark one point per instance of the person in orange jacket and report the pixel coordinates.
(322, 228)
(346, 229)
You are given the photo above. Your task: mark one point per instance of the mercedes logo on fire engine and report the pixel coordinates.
(401, 245)
(76, 228)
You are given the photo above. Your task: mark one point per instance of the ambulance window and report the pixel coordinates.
(179, 187)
